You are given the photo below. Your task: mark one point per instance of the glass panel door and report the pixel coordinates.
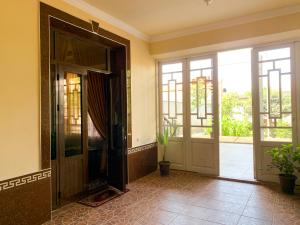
(201, 98)
(172, 110)
(72, 138)
(172, 98)
(273, 103)
(202, 142)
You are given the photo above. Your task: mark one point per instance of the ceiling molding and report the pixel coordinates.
(227, 23)
(101, 15)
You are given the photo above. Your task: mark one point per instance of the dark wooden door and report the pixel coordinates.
(117, 153)
(72, 138)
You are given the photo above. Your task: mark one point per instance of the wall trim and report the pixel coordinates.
(107, 18)
(25, 179)
(227, 23)
(141, 148)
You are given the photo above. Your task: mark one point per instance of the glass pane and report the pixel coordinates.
(265, 67)
(286, 100)
(266, 122)
(194, 74)
(193, 96)
(285, 121)
(201, 132)
(275, 95)
(208, 121)
(207, 74)
(177, 131)
(166, 77)
(80, 51)
(283, 65)
(200, 64)
(172, 96)
(276, 134)
(179, 96)
(274, 85)
(177, 77)
(274, 54)
(72, 114)
(201, 98)
(209, 97)
(172, 99)
(174, 67)
(195, 121)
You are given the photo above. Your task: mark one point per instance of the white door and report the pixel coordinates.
(274, 114)
(172, 110)
(189, 108)
(202, 142)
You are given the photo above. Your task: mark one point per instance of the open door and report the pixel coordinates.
(202, 120)
(117, 149)
(71, 129)
(274, 113)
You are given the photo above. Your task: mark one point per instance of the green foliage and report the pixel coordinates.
(172, 125)
(163, 139)
(236, 128)
(286, 158)
(230, 125)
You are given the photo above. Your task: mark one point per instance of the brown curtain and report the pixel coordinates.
(97, 102)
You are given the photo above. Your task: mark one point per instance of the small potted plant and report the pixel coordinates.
(163, 140)
(286, 158)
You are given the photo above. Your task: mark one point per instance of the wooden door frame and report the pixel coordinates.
(49, 14)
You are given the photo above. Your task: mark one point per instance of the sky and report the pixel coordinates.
(234, 70)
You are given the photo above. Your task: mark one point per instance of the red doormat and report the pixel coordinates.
(100, 198)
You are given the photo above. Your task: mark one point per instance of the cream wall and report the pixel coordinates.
(264, 27)
(19, 86)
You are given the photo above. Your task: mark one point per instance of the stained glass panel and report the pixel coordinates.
(201, 98)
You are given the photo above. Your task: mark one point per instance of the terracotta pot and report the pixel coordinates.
(287, 183)
(164, 167)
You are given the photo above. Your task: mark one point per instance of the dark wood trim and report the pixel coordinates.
(50, 15)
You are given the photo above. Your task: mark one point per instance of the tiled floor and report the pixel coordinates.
(236, 161)
(188, 199)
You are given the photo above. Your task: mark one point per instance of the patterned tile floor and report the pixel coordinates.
(187, 199)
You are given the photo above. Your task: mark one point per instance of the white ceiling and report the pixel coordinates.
(157, 17)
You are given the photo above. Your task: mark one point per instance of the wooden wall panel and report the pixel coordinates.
(26, 200)
(142, 161)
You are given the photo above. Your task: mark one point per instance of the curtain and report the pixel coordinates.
(97, 102)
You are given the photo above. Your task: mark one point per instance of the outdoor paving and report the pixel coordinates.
(236, 161)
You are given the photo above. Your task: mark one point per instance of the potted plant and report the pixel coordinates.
(286, 158)
(163, 140)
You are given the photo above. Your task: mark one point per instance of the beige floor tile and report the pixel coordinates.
(252, 221)
(187, 199)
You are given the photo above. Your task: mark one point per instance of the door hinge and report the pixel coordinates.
(57, 76)
(59, 194)
(57, 107)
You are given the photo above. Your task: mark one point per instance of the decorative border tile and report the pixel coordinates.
(141, 148)
(29, 178)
